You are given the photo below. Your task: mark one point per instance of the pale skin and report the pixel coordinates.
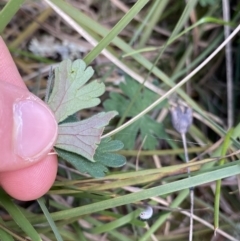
(28, 131)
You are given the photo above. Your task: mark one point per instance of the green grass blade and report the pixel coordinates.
(18, 216)
(8, 12)
(117, 235)
(163, 217)
(213, 175)
(179, 73)
(91, 25)
(173, 39)
(198, 23)
(155, 191)
(157, 7)
(145, 21)
(79, 232)
(218, 151)
(225, 146)
(116, 223)
(4, 235)
(176, 88)
(115, 30)
(49, 218)
(184, 17)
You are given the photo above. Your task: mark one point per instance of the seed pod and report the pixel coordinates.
(181, 118)
(146, 213)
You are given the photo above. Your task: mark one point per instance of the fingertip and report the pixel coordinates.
(8, 69)
(32, 182)
(35, 129)
(28, 127)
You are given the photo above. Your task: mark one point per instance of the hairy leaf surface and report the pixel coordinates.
(70, 92)
(104, 157)
(82, 137)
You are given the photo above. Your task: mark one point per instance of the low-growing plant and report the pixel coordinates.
(115, 124)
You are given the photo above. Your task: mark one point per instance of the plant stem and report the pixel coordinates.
(176, 86)
(190, 189)
(229, 64)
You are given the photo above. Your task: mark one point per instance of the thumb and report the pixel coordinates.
(31, 182)
(27, 127)
(27, 132)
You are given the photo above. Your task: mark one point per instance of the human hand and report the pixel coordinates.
(28, 131)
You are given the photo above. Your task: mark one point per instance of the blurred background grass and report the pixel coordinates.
(156, 43)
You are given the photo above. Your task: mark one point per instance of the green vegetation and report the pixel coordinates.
(149, 55)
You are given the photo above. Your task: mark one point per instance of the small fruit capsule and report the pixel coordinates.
(181, 118)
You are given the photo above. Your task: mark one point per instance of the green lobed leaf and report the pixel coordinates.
(104, 157)
(151, 129)
(129, 135)
(146, 126)
(120, 102)
(82, 137)
(70, 94)
(94, 169)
